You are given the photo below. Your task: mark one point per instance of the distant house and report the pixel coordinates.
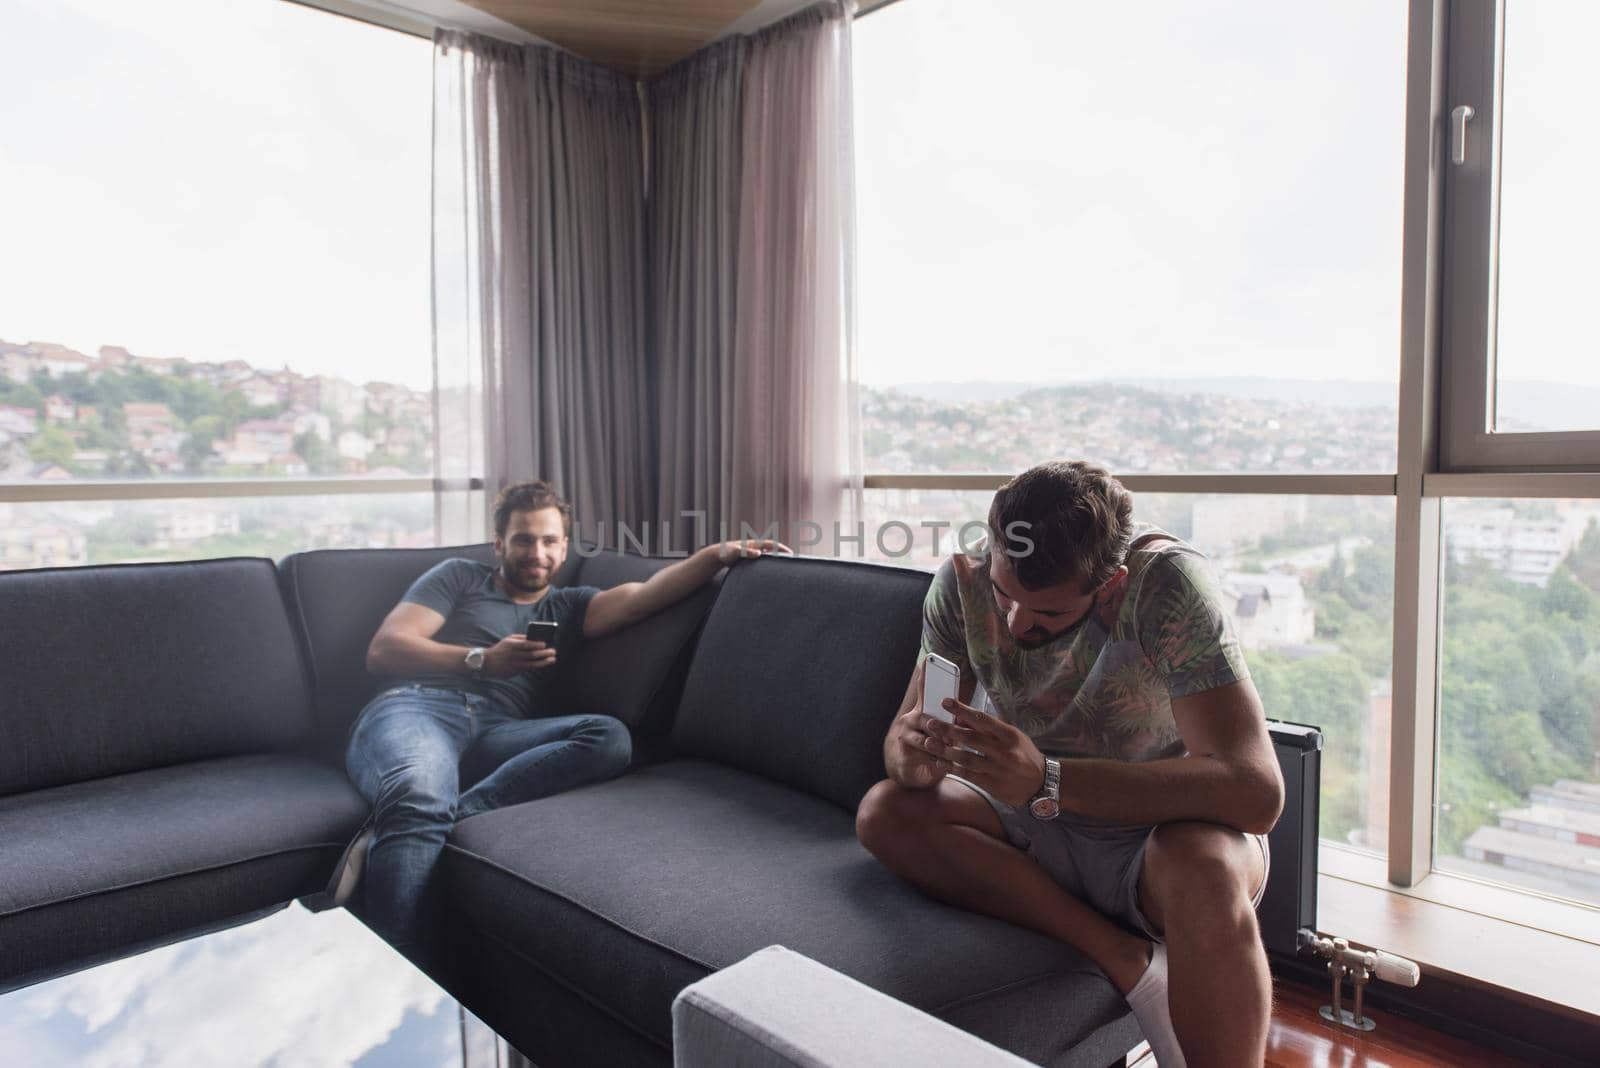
(270, 436)
(1524, 549)
(58, 361)
(185, 526)
(1269, 609)
(158, 365)
(261, 391)
(16, 364)
(48, 472)
(60, 410)
(152, 428)
(290, 464)
(314, 423)
(19, 422)
(114, 357)
(94, 460)
(148, 419)
(42, 546)
(354, 445)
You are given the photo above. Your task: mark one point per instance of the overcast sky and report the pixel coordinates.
(213, 180)
(1046, 189)
(1072, 190)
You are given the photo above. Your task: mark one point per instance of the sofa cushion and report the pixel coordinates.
(97, 867)
(338, 597)
(637, 673)
(800, 670)
(118, 669)
(628, 891)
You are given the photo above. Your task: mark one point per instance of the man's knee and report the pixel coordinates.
(890, 815)
(1200, 871)
(611, 741)
(416, 791)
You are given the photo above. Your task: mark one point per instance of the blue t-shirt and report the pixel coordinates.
(476, 613)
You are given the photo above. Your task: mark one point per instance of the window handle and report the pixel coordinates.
(1460, 115)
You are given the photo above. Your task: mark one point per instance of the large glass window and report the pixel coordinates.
(1309, 582)
(1547, 356)
(215, 243)
(1162, 237)
(1519, 701)
(72, 533)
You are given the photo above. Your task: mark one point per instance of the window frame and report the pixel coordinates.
(1475, 78)
(1445, 394)
(447, 522)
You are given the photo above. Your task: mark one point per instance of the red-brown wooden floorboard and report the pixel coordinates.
(1300, 1038)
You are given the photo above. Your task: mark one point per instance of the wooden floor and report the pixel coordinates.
(1301, 1039)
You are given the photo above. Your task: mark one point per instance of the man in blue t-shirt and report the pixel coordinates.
(468, 683)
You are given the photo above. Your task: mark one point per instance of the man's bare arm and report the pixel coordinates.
(611, 610)
(1230, 775)
(404, 645)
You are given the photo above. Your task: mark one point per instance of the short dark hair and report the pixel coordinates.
(1077, 523)
(529, 497)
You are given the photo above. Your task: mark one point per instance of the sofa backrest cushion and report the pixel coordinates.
(800, 669)
(635, 674)
(116, 669)
(338, 597)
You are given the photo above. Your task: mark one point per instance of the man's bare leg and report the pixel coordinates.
(948, 842)
(1196, 887)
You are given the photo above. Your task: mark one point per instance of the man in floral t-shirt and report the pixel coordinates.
(1109, 779)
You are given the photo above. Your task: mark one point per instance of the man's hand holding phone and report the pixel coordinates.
(910, 761)
(986, 750)
(519, 653)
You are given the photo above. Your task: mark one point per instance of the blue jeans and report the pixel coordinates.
(406, 755)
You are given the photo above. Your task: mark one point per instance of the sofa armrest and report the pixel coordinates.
(779, 1008)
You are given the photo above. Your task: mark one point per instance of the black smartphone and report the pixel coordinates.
(543, 630)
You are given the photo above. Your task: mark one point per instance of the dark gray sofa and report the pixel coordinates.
(759, 710)
(153, 779)
(156, 707)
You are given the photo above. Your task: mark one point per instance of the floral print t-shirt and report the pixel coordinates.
(1105, 689)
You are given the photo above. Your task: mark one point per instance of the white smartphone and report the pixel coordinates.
(940, 679)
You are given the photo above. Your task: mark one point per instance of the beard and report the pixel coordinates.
(514, 579)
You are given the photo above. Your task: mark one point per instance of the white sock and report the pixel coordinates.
(1148, 1000)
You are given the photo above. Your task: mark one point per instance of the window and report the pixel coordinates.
(1523, 377)
(1170, 240)
(223, 271)
(1161, 237)
(1519, 702)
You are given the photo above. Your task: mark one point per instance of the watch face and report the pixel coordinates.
(1045, 808)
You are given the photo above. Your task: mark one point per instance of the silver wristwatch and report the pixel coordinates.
(1046, 804)
(475, 660)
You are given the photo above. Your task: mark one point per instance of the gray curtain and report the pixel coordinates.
(689, 348)
(586, 386)
(752, 237)
(481, 297)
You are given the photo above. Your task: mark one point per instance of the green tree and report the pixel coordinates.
(51, 445)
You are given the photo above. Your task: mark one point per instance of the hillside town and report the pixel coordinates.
(118, 414)
(1125, 428)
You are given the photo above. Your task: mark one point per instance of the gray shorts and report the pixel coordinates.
(1096, 864)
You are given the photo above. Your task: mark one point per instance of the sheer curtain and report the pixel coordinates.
(689, 349)
(481, 297)
(586, 390)
(753, 232)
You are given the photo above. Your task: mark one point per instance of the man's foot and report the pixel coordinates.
(347, 874)
(1148, 1000)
